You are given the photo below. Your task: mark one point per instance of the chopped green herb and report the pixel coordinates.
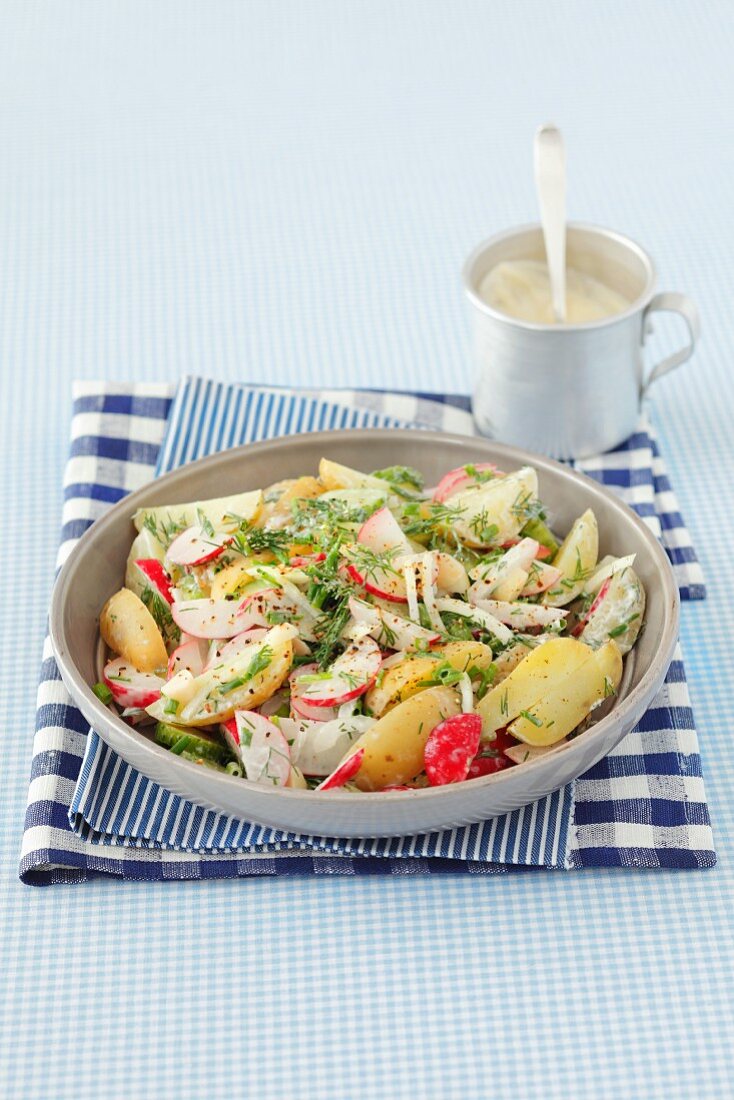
(531, 717)
(103, 693)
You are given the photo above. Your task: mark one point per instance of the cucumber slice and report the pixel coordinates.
(541, 532)
(193, 744)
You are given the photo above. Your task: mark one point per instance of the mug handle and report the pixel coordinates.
(672, 302)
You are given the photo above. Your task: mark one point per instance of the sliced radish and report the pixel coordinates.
(606, 571)
(239, 642)
(191, 655)
(300, 561)
(455, 481)
(154, 572)
(348, 678)
(318, 747)
(521, 615)
(540, 578)
(299, 707)
(542, 553)
(344, 772)
(208, 618)
(389, 629)
(451, 748)
(129, 687)
(583, 620)
(487, 764)
(260, 747)
(194, 547)
(382, 532)
(285, 602)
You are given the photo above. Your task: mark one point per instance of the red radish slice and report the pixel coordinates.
(302, 560)
(129, 687)
(488, 765)
(380, 582)
(344, 772)
(189, 655)
(543, 552)
(578, 629)
(255, 609)
(299, 707)
(540, 578)
(260, 747)
(155, 573)
(194, 547)
(455, 481)
(451, 747)
(208, 618)
(382, 532)
(348, 678)
(236, 645)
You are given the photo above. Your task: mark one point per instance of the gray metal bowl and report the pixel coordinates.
(96, 569)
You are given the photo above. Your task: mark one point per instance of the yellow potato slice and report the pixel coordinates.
(529, 681)
(232, 578)
(394, 746)
(335, 476)
(500, 503)
(279, 497)
(215, 695)
(566, 703)
(576, 559)
(406, 679)
(179, 516)
(129, 629)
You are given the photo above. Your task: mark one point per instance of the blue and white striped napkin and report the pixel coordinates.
(89, 812)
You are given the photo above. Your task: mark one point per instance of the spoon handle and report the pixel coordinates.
(550, 183)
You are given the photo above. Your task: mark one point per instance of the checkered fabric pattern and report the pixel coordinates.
(642, 806)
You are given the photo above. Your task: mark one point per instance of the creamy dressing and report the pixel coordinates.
(521, 288)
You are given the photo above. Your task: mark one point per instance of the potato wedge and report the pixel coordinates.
(230, 580)
(567, 702)
(242, 683)
(129, 629)
(279, 497)
(394, 746)
(406, 679)
(335, 476)
(172, 518)
(576, 559)
(529, 681)
(501, 504)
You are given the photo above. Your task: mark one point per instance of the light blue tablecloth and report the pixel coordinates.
(285, 193)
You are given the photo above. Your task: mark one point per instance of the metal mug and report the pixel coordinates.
(569, 391)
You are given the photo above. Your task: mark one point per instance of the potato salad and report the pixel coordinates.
(361, 631)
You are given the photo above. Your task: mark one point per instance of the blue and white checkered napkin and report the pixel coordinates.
(89, 812)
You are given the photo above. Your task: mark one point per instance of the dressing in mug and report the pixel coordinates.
(521, 288)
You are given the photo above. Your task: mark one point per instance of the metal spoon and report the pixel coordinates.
(550, 183)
